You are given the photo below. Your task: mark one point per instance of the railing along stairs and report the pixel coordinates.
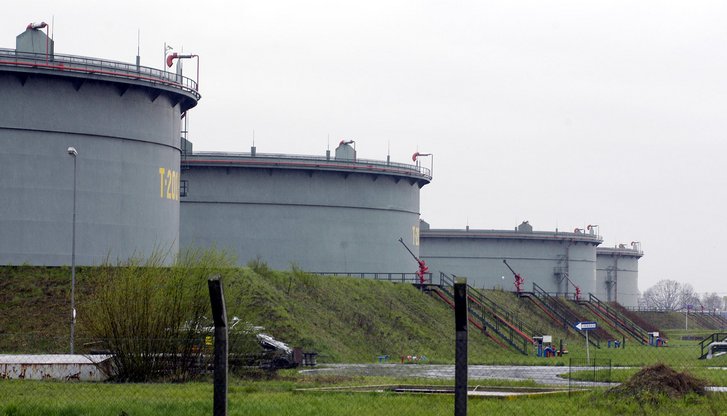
(507, 331)
(715, 342)
(619, 319)
(565, 316)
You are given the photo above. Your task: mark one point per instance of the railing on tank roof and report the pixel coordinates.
(628, 251)
(444, 232)
(82, 64)
(221, 156)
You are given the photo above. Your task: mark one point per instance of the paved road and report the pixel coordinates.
(540, 374)
(546, 375)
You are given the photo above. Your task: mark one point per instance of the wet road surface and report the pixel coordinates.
(547, 375)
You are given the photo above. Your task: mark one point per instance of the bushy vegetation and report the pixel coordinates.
(152, 317)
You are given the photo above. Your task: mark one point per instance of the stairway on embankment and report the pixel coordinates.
(615, 319)
(475, 319)
(560, 314)
(490, 316)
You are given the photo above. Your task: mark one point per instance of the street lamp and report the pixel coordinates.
(74, 153)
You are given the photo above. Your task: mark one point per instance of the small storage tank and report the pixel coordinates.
(124, 122)
(322, 214)
(618, 274)
(550, 259)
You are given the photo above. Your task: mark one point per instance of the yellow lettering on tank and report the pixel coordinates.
(161, 182)
(169, 183)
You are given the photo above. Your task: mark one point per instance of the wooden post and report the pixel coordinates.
(460, 368)
(219, 315)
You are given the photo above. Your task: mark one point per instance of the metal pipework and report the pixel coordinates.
(173, 56)
(416, 155)
(41, 25)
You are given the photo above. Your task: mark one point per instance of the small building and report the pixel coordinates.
(95, 367)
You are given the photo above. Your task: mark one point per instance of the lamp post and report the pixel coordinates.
(72, 151)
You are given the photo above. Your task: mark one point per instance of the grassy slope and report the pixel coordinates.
(674, 320)
(344, 319)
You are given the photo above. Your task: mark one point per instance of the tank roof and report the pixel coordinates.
(82, 68)
(511, 235)
(419, 174)
(621, 250)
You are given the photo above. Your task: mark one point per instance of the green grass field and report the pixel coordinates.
(279, 397)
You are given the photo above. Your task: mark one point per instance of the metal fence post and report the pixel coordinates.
(460, 369)
(219, 315)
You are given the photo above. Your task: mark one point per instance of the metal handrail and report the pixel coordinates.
(480, 316)
(716, 337)
(389, 277)
(568, 317)
(82, 64)
(307, 158)
(620, 319)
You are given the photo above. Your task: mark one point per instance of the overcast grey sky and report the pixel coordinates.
(563, 113)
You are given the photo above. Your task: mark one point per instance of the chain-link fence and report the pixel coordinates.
(384, 349)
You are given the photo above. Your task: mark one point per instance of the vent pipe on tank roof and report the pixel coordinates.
(40, 25)
(173, 56)
(37, 26)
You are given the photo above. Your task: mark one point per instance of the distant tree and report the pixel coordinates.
(688, 297)
(712, 301)
(670, 295)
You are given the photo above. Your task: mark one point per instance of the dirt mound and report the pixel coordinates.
(658, 381)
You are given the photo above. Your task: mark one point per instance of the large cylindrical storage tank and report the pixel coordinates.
(124, 122)
(555, 261)
(617, 274)
(322, 214)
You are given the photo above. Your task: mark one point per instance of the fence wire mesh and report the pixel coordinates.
(384, 349)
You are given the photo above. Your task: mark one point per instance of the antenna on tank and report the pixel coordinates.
(388, 152)
(253, 149)
(52, 26)
(138, 48)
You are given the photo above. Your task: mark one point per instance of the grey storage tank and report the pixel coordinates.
(617, 273)
(123, 120)
(322, 214)
(550, 259)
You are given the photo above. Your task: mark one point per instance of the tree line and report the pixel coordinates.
(670, 295)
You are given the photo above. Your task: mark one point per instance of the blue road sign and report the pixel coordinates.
(585, 326)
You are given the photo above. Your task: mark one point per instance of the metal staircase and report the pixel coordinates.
(564, 315)
(618, 319)
(483, 310)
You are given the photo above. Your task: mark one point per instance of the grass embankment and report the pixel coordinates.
(343, 319)
(668, 321)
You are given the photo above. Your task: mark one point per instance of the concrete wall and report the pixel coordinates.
(538, 257)
(320, 220)
(617, 275)
(124, 135)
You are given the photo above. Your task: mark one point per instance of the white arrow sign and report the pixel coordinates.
(585, 326)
